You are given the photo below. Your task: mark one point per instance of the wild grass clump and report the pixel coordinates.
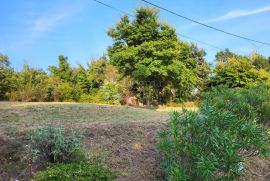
(211, 144)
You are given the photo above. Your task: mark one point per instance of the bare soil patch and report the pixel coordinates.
(128, 148)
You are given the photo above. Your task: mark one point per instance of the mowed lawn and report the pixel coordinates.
(122, 137)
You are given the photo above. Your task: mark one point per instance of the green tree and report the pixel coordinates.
(237, 72)
(96, 70)
(4, 61)
(109, 93)
(203, 68)
(224, 55)
(64, 71)
(6, 74)
(30, 85)
(259, 61)
(82, 80)
(150, 53)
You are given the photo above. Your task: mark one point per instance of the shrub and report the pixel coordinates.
(90, 98)
(67, 91)
(83, 171)
(109, 93)
(54, 145)
(248, 103)
(210, 144)
(29, 94)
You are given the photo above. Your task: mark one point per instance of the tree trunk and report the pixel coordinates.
(160, 102)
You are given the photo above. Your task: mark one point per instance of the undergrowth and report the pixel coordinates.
(211, 144)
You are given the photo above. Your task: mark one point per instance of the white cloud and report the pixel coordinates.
(51, 19)
(46, 23)
(237, 14)
(231, 15)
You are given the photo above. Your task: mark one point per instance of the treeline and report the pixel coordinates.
(147, 61)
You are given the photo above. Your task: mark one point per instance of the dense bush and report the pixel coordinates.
(107, 94)
(54, 145)
(83, 171)
(252, 103)
(29, 94)
(210, 144)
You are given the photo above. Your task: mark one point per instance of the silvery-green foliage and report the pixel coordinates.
(55, 145)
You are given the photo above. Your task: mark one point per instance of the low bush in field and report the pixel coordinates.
(65, 153)
(83, 171)
(108, 94)
(210, 144)
(55, 145)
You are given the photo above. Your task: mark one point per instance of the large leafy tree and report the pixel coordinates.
(150, 53)
(238, 72)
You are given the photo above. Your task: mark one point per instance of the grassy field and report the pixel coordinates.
(25, 116)
(121, 137)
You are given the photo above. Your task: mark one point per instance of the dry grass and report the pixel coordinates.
(25, 116)
(121, 137)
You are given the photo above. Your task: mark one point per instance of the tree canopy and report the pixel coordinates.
(238, 71)
(146, 60)
(150, 52)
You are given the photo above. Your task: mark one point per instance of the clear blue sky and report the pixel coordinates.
(37, 31)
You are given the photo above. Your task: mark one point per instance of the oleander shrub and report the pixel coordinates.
(83, 171)
(52, 144)
(211, 144)
(248, 103)
(258, 97)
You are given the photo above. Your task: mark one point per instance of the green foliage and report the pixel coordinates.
(29, 94)
(6, 74)
(96, 71)
(4, 61)
(203, 69)
(252, 103)
(237, 72)
(55, 145)
(260, 62)
(210, 144)
(64, 71)
(83, 171)
(30, 85)
(224, 55)
(67, 91)
(109, 93)
(82, 80)
(150, 53)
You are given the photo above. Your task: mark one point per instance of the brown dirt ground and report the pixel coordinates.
(129, 149)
